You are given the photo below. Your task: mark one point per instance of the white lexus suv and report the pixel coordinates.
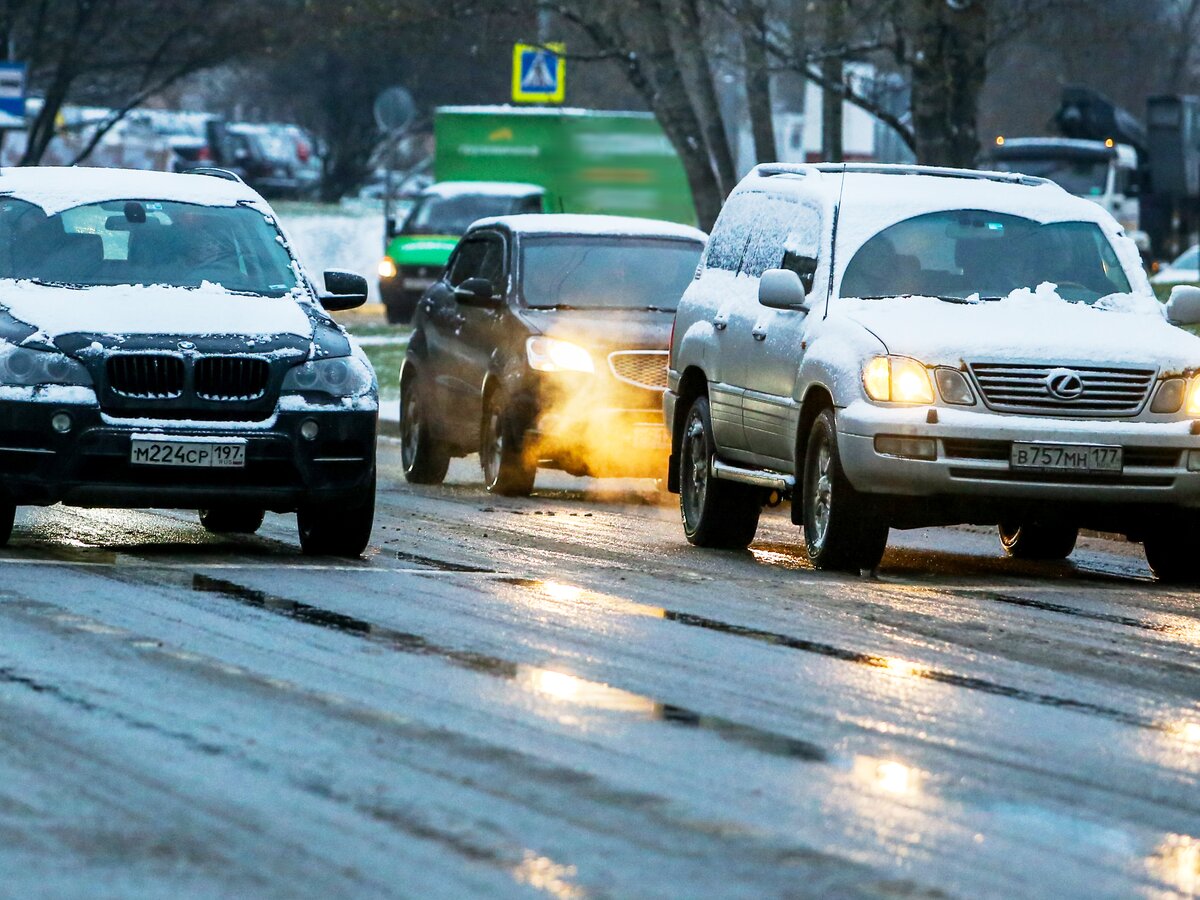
(899, 347)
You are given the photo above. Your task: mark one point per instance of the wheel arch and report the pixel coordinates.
(817, 398)
(693, 383)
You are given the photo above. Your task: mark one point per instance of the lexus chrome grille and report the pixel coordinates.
(1053, 390)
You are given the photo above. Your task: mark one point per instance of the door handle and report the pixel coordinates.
(759, 333)
(720, 322)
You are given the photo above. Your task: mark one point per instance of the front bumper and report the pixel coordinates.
(90, 466)
(973, 457)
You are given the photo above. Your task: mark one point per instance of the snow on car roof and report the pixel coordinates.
(489, 188)
(57, 188)
(577, 224)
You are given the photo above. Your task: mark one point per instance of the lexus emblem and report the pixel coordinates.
(1064, 384)
(186, 345)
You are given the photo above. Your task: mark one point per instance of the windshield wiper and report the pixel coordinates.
(555, 306)
(670, 309)
(947, 298)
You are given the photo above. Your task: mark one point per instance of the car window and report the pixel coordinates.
(479, 257)
(784, 230)
(960, 253)
(1190, 259)
(606, 272)
(159, 242)
(454, 214)
(731, 232)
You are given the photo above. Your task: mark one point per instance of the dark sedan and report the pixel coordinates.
(545, 344)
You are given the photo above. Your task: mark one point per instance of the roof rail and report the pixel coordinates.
(936, 171)
(215, 172)
(766, 170)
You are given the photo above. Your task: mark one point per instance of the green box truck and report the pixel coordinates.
(583, 161)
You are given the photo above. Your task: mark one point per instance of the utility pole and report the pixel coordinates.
(833, 72)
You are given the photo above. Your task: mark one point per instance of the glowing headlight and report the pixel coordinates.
(342, 376)
(552, 355)
(897, 379)
(29, 368)
(387, 268)
(1193, 397)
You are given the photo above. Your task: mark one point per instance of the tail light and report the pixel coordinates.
(303, 152)
(204, 153)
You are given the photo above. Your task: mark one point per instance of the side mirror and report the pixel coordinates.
(393, 227)
(344, 290)
(1184, 306)
(782, 289)
(477, 292)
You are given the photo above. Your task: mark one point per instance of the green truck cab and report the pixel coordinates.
(418, 249)
(498, 160)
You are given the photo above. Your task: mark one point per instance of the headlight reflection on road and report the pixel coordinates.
(545, 875)
(567, 688)
(902, 667)
(1176, 862)
(887, 775)
(558, 592)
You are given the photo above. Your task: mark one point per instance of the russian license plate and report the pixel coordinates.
(198, 453)
(1083, 458)
(651, 437)
(417, 284)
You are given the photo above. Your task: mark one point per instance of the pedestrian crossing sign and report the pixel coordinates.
(539, 73)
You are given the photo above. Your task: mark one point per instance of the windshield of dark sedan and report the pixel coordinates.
(607, 272)
(963, 252)
(157, 242)
(453, 215)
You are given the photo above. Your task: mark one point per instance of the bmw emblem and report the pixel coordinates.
(1064, 384)
(186, 345)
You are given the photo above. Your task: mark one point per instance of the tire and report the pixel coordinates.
(503, 456)
(338, 529)
(841, 529)
(1037, 541)
(425, 459)
(715, 513)
(232, 519)
(8, 512)
(1171, 553)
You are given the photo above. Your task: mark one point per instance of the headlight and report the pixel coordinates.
(1193, 397)
(343, 376)
(552, 355)
(28, 368)
(897, 379)
(387, 268)
(952, 385)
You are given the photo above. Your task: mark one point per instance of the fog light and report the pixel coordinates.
(905, 447)
(1194, 460)
(1170, 396)
(61, 422)
(309, 430)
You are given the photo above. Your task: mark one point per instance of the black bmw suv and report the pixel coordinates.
(545, 344)
(160, 346)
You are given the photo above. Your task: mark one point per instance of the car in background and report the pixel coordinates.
(1184, 269)
(418, 248)
(161, 346)
(905, 347)
(545, 344)
(269, 160)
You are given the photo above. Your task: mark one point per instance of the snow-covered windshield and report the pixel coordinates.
(1080, 176)
(606, 272)
(146, 242)
(960, 253)
(454, 214)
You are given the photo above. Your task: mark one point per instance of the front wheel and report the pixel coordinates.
(715, 513)
(232, 519)
(1170, 551)
(425, 459)
(1043, 542)
(508, 469)
(330, 529)
(841, 530)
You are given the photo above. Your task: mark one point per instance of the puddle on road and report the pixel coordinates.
(555, 685)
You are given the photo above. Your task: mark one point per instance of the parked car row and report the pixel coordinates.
(886, 347)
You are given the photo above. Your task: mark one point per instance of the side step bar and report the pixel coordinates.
(758, 477)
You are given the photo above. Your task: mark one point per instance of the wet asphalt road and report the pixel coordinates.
(558, 697)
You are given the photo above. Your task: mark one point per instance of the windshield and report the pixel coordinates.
(145, 242)
(454, 214)
(1190, 259)
(607, 272)
(1082, 177)
(956, 254)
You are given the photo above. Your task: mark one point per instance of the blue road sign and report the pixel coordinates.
(12, 89)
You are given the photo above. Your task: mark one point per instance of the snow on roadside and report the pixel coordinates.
(336, 237)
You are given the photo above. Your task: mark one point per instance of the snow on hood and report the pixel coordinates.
(57, 188)
(577, 224)
(1028, 326)
(154, 309)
